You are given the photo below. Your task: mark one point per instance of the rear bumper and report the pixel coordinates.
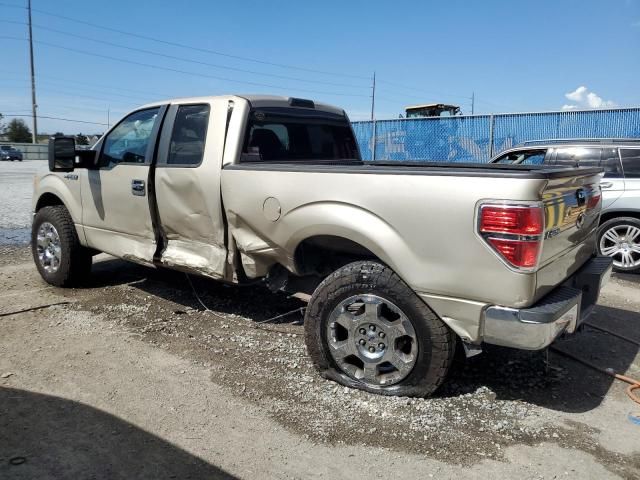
(561, 311)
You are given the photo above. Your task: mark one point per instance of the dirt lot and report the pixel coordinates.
(131, 377)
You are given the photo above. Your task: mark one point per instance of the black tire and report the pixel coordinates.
(75, 260)
(618, 223)
(435, 341)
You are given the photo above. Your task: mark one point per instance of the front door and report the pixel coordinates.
(115, 204)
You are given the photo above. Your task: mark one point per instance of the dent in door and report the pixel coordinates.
(194, 239)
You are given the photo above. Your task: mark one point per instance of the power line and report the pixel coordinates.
(187, 60)
(190, 47)
(74, 94)
(61, 119)
(93, 85)
(186, 72)
(424, 92)
(198, 62)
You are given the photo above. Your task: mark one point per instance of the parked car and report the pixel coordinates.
(619, 233)
(398, 261)
(7, 152)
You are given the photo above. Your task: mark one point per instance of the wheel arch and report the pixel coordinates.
(346, 229)
(610, 215)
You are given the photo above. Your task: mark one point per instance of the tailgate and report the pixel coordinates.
(572, 211)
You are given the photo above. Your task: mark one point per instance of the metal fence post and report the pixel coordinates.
(373, 150)
(491, 121)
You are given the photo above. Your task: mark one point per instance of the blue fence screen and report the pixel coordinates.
(477, 138)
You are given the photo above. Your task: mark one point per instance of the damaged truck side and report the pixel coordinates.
(402, 262)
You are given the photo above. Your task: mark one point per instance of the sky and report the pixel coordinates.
(95, 61)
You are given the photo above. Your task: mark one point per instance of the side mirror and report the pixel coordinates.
(62, 154)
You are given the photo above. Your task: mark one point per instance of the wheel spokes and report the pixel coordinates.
(372, 340)
(612, 235)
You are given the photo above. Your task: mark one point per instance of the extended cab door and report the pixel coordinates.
(115, 203)
(187, 188)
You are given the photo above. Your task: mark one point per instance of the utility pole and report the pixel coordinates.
(34, 105)
(473, 102)
(373, 95)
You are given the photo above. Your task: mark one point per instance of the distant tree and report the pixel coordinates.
(82, 139)
(17, 131)
(58, 134)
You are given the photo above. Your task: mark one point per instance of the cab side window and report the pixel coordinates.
(128, 142)
(188, 136)
(631, 162)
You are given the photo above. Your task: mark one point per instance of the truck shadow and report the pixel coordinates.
(252, 301)
(43, 436)
(546, 379)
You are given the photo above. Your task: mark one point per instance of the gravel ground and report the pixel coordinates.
(504, 413)
(16, 187)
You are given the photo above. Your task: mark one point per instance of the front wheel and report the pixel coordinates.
(60, 258)
(365, 328)
(619, 238)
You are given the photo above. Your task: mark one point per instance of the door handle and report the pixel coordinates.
(606, 185)
(138, 188)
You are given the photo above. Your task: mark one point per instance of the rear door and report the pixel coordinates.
(115, 197)
(187, 188)
(630, 198)
(613, 183)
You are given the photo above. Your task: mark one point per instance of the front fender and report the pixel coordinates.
(67, 190)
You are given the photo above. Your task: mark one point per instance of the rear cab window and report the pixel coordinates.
(288, 134)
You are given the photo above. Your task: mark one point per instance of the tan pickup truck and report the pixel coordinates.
(403, 262)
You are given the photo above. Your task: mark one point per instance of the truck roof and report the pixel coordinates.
(255, 100)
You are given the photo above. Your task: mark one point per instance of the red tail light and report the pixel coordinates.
(514, 232)
(511, 219)
(593, 201)
(517, 253)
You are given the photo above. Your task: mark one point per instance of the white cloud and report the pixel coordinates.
(577, 95)
(583, 98)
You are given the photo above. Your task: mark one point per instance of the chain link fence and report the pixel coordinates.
(31, 151)
(477, 138)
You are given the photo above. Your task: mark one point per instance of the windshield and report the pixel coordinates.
(296, 134)
(6, 147)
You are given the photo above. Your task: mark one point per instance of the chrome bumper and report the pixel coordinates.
(561, 311)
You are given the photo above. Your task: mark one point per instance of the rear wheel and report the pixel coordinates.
(365, 328)
(60, 258)
(619, 238)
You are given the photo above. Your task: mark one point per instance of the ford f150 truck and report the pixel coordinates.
(400, 262)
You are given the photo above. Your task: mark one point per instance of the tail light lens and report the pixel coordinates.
(514, 232)
(518, 220)
(593, 201)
